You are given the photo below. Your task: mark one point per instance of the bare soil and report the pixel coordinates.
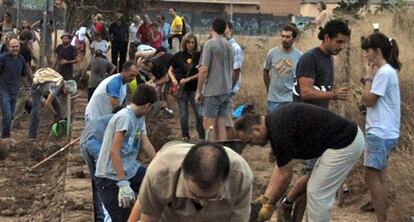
(38, 195)
(32, 195)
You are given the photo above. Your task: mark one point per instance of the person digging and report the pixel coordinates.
(335, 141)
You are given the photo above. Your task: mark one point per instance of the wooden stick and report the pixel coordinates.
(55, 153)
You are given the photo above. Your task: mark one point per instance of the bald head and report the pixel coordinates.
(207, 165)
(14, 47)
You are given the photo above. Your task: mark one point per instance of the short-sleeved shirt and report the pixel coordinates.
(102, 45)
(304, 131)
(133, 29)
(383, 119)
(144, 33)
(100, 102)
(162, 194)
(175, 25)
(134, 128)
(119, 33)
(95, 129)
(218, 57)
(50, 88)
(238, 61)
(166, 29)
(67, 53)
(282, 66)
(160, 64)
(157, 44)
(100, 69)
(318, 66)
(11, 72)
(184, 65)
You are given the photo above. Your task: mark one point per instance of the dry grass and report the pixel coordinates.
(398, 25)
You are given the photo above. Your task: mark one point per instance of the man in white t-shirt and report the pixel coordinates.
(99, 44)
(111, 92)
(133, 40)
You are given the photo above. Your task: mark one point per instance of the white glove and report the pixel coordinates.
(125, 195)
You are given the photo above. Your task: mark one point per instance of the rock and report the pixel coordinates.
(7, 213)
(21, 212)
(5, 147)
(79, 174)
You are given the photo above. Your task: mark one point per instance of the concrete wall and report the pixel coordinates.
(280, 7)
(244, 23)
(274, 7)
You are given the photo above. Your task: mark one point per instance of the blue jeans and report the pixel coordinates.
(108, 191)
(34, 114)
(273, 106)
(189, 97)
(90, 152)
(8, 104)
(377, 151)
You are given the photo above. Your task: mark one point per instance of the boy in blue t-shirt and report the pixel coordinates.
(118, 172)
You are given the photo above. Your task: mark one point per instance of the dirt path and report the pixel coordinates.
(41, 194)
(32, 195)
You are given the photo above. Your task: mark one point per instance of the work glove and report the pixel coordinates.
(266, 212)
(262, 200)
(125, 195)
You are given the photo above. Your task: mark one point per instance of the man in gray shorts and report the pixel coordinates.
(215, 80)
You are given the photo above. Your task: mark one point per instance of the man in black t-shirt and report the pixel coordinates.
(66, 56)
(315, 69)
(314, 79)
(118, 35)
(303, 131)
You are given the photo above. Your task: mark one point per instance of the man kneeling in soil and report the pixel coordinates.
(119, 174)
(337, 142)
(202, 182)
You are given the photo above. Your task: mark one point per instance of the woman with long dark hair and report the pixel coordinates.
(184, 74)
(382, 97)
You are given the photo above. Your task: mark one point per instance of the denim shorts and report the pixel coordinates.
(377, 151)
(307, 166)
(216, 106)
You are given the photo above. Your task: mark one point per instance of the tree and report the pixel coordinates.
(83, 9)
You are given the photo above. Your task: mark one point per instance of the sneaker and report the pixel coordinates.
(168, 113)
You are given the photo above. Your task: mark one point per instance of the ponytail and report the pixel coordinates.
(394, 53)
(333, 28)
(388, 47)
(321, 34)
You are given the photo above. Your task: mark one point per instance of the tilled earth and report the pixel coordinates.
(28, 195)
(38, 195)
